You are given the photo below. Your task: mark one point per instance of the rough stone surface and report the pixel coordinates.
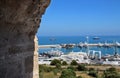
(19, 21)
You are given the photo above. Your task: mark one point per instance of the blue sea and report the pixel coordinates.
(46, 40)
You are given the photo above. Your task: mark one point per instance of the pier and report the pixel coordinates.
(98, 44)
(49, 46)
(81, 45)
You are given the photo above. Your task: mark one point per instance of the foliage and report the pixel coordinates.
(71, 67)
(43, 68)
(112, 69)
(93, 73)
(55, 61)
(55, 71)
(79, 77)
(41, 74)
(68, 73)
(74, 62)
(58, 66)
(111, 73)
(64, 63)
(91, 69)
(81, 68)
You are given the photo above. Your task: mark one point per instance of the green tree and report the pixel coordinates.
(55, 61)
(68, 73)
(111, 73)
(58, 66)
(112, 69)
(71, 67)
(64, 63)
(74, 62)
(93, 74)
(81, 68)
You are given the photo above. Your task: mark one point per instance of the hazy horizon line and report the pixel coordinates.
(78, 35)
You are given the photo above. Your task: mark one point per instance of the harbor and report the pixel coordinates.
(88, 57)
(85, 52)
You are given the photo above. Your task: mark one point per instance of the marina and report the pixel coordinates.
(87, 57)
(87, 51)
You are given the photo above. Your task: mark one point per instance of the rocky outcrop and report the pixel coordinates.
(19, 21)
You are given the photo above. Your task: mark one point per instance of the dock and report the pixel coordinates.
(49, 46)
(81, 45)
(99, 44)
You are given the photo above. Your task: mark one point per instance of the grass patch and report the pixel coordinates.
(48, 71)
(49, 75)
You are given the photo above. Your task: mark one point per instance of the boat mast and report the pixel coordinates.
(87, 39)
(116, 49)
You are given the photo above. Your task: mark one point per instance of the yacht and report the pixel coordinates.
(96, 38)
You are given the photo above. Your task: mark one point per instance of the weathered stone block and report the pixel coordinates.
(19, 21)
(28, 64)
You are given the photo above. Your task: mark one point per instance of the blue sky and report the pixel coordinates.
(81, 17)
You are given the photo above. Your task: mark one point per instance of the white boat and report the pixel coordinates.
(115, 61)
(96, 38)
(55, 52)
(117, 44)
(111, 62)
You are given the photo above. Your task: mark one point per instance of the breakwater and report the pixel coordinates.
(117, 44)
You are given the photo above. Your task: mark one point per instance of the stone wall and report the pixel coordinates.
(19, 21)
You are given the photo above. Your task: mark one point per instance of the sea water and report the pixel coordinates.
(46, 40)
